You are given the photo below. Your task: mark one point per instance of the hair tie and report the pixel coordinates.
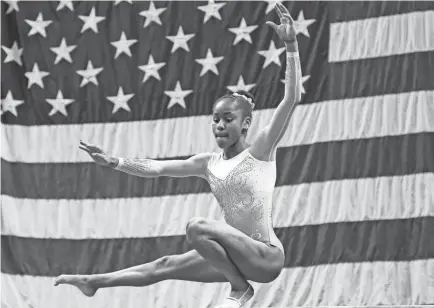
(248, 99)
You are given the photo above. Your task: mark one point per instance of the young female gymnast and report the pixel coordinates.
(242, 179)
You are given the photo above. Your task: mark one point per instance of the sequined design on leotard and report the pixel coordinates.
(244, 192)
(235, 199)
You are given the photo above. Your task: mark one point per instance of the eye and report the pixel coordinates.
(229, 119)
(216, 120)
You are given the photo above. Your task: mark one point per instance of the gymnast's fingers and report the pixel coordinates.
(278, 10)
(84, 148)
(285, 13)
(282, 9)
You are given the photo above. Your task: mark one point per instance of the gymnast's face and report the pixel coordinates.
(227, 122)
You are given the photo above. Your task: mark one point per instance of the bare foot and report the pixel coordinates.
(79, 281)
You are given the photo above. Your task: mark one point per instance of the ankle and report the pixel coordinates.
(94, 281)
(242, 296)
(241, 287)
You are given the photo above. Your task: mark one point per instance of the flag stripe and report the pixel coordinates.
(382, 36)
(384, 240)
(349, 159)
(363, 284)
(380, 76)
(383, 198)
(355, 10)
(388, 115)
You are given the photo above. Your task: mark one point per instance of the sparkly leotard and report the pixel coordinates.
(243, 186)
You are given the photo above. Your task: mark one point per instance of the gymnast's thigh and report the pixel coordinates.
(256, 260)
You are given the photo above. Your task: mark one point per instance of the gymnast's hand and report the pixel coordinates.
(96, 153)
(286, 29)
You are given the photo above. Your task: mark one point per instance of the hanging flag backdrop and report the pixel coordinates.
(354, 198)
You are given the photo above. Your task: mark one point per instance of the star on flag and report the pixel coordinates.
(242, 32)
(38, 25)
(35, 76)
(272, 54)
(89, 74)
(63, 51)
(180, 40)
(177, 96)
(209, 63)
(301, 24)
(120, 100)
(123, 45)
(211, 10)
(271, 5)
(151, 69)
(152, 15)
(65, 3)
(91, 21)
(10, 104)
(13, 54)
(13, 6)
(241, 86)
(59, 104)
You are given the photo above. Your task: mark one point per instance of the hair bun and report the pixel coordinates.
(245, 93)
(248, 98)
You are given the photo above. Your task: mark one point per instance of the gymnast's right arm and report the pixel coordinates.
(149, 168)
(193, 166)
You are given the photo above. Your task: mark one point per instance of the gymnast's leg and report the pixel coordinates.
(222, 254)
(190, 266)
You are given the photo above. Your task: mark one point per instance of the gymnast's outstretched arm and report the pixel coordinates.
(150, 168)
(193, 166)
(267, 140)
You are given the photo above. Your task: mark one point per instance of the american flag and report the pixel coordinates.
(354, 198)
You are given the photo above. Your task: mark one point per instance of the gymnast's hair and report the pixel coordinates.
(244, 99)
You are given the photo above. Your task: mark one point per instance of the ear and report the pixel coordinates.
(247, 122)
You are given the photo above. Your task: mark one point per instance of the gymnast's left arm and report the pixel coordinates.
(269, 137)
(275, 130)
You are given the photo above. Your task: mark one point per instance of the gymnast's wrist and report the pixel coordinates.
(291, 46)
(114, 162)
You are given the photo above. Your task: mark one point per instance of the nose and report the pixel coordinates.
(220, 125)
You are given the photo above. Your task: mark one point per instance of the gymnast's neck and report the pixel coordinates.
(235, 149)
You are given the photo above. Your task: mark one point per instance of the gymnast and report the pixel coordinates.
(242, 177)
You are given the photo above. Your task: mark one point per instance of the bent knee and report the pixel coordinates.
(267, 270)
(268, 275)
(196, 227)
(274, 274)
